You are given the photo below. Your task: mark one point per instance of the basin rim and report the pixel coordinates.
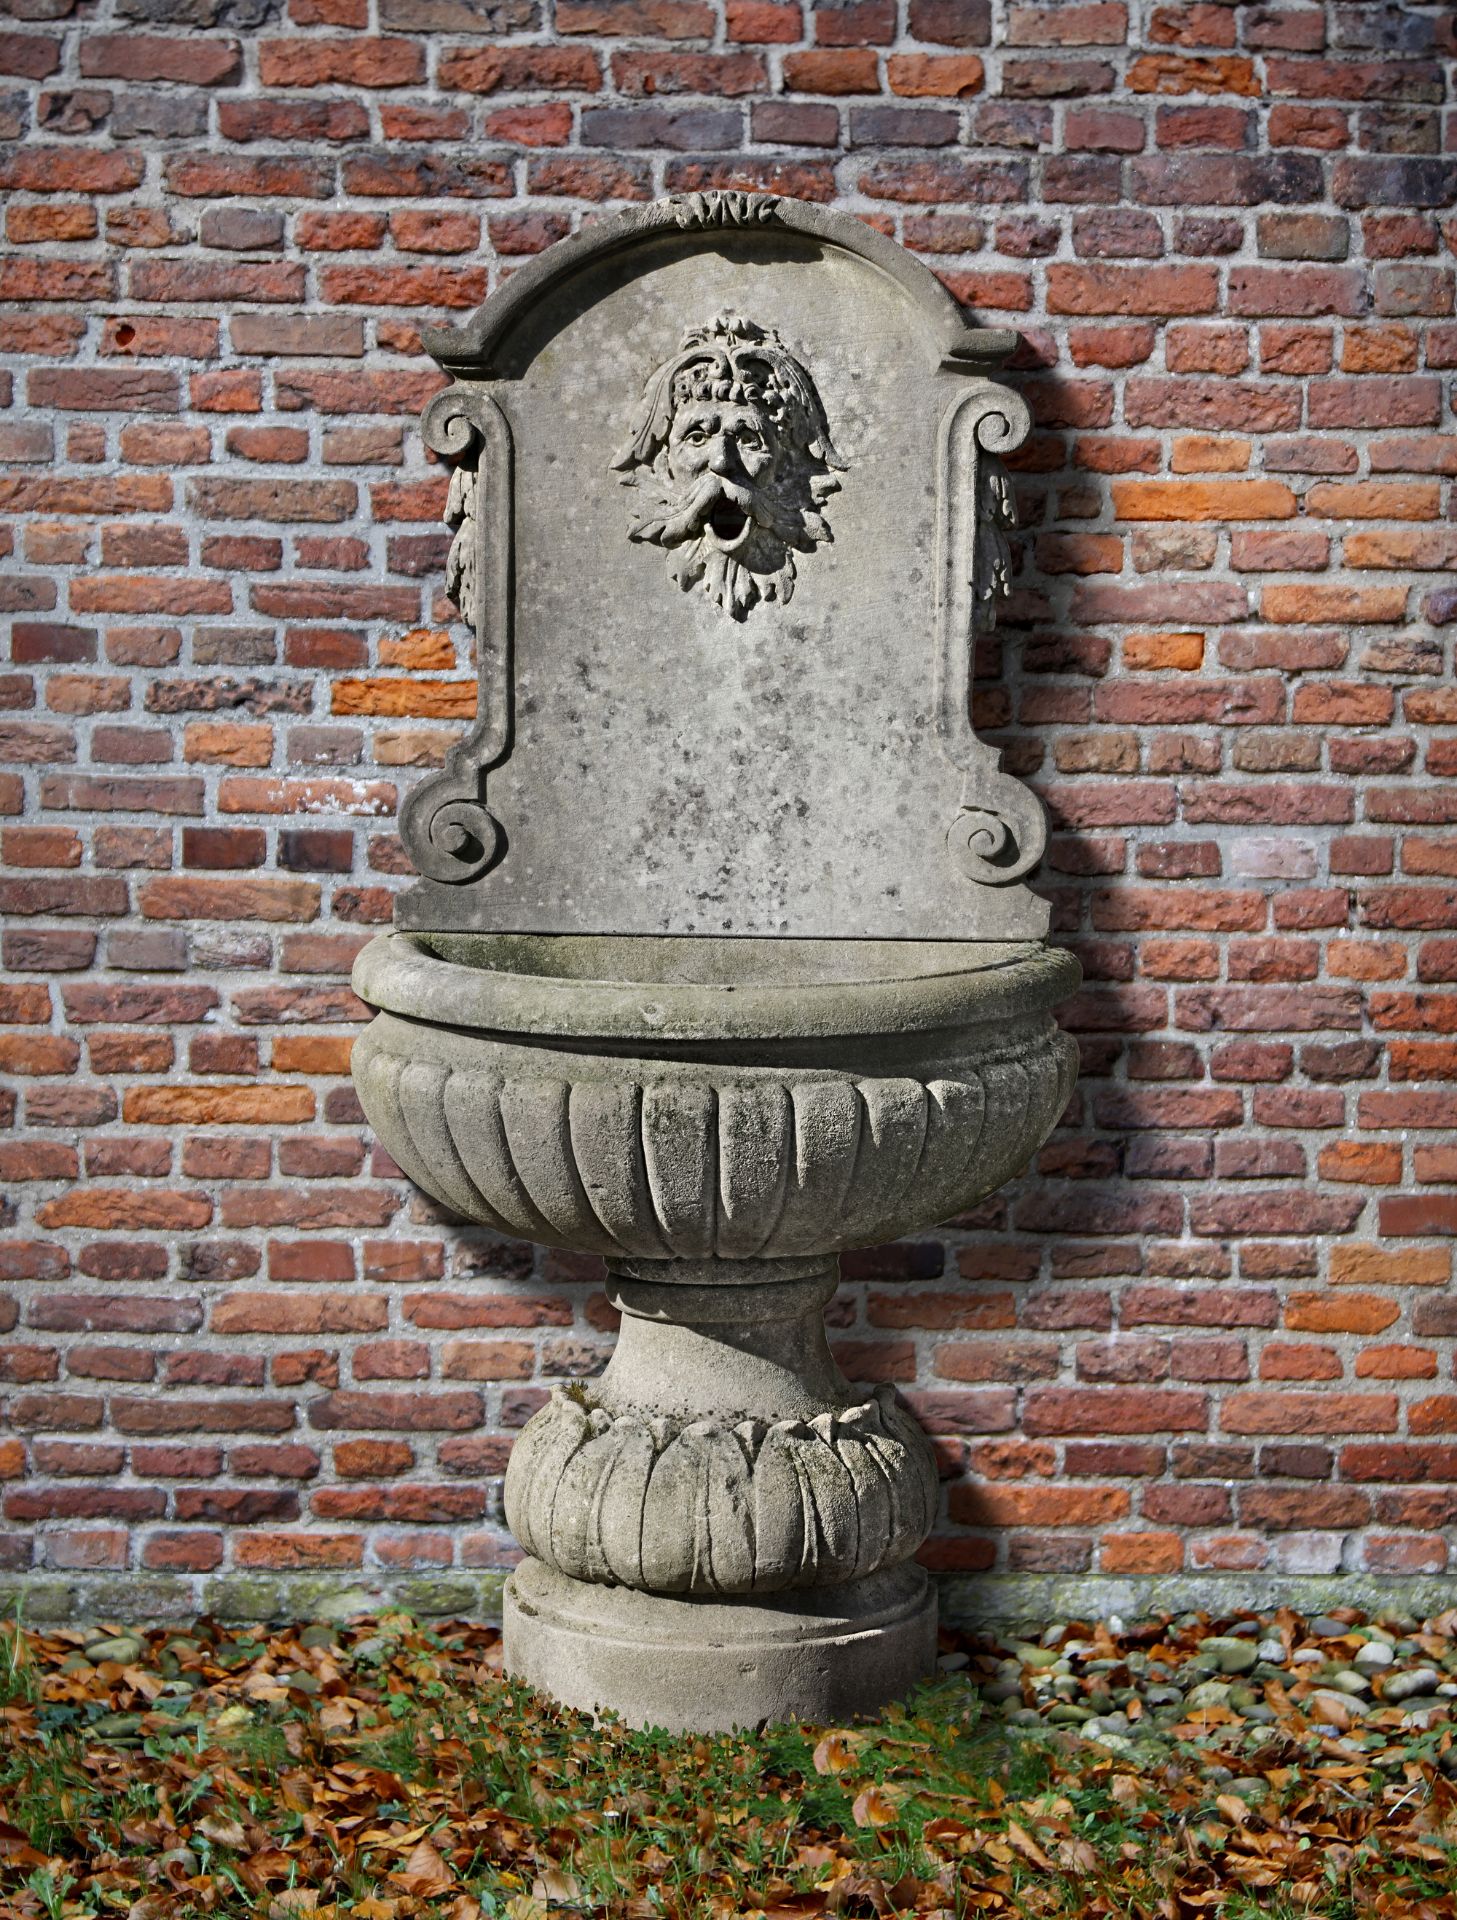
(862, 987)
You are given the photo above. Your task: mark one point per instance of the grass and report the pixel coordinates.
(386, 1770)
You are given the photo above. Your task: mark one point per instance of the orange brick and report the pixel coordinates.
(247, 1106)
(1184, 73)
(413, 699)
(1210, 453)
(1315, 603)
(1340, 1313)
(1204, 500)
(1396, 1363)
(1361, 1161)
(321, 1053)
(1141, 1553)
(1003, 1506)
(954, 76)
(422, 651)
(232, 743)
(1164, 652)
(1362, 1266)
(1365, 960)
(1380, 350)
(1375, 499)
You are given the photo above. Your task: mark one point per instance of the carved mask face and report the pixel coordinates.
(732, 438)
(719, 457)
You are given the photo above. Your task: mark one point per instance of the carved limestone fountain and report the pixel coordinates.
(721, 960)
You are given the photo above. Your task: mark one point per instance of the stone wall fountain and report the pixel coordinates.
(721, 961)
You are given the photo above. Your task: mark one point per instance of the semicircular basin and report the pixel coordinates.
(710, 1099)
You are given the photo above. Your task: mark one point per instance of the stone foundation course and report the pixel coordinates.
(1205, 1346)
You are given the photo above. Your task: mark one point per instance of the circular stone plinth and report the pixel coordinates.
(713, 1666)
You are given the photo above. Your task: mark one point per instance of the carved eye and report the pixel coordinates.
(695, 436)
(751, 439)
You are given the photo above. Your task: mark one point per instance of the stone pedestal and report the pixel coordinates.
(710, 1666)
(685, 1502)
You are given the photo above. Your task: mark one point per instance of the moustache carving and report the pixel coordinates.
(716, 505)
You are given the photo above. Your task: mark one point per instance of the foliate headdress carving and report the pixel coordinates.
(731, 439)
(723, 209)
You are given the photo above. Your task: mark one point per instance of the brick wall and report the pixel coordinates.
(1213, 1330)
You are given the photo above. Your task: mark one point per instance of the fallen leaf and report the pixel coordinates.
(836, 1753)
(874, 1807)
(424, 1873)
(222, 1830)
(1027, 1846)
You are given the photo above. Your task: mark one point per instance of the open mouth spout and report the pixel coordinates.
(728, 523)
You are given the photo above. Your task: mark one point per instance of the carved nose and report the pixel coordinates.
(723, 456)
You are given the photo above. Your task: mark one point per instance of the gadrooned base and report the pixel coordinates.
(712, 1666)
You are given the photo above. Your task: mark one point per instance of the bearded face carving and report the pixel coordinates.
(731, 443)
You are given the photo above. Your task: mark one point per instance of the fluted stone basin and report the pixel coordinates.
(721, 1528)
(684, 1100)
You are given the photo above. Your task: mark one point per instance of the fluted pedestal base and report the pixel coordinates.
(714, 1665)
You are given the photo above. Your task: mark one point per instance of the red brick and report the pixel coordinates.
(1063, 1410)
(1319, 1413)
(1153, 290)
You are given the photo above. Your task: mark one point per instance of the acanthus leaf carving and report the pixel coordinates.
(713, 1506)
(462, 563)
(723, 208)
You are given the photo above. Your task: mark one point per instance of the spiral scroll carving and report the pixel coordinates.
(450, 833)
(705, 1507)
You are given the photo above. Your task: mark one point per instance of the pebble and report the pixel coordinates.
(1230, 1655)
(1272, 1650)
(1209, 1693)
(1403, 1686)
(1375, 1653)
(1324, 1628)
(122, 1646)
(1349, 1682)
(1420, 1715)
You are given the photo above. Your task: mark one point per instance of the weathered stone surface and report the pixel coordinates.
(680, 993)
(663, 1152)
(750, 670)
(712, 1666)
